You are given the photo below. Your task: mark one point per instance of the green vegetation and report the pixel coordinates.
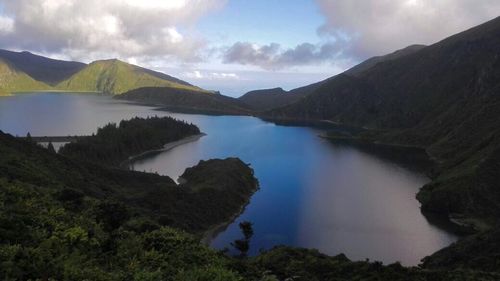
(310, 265)
(114, 144)
(187, 101)
(45, 70)
(62, 219)
(243, 245)
(25, 72)
(13, 80)
(116, 77)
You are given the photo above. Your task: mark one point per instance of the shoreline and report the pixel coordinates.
(212, 232)
(166, 147)
(209, 235)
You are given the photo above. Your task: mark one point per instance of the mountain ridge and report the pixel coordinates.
(116, 77)
(11, 78)
(267, 99)
(110, 76)
(40, 68)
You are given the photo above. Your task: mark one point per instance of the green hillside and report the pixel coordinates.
(13, 80)
(43, 69)
(116, 77)
(63, 219)
(23, 71)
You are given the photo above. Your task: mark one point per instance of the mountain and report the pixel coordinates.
(14, 80)
(371, 62)
(116, 77)
(187, 100)
(444, 98)
(40, 68)
(33, 72)
(267, 99)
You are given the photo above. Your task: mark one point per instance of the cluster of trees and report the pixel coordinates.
(64, 219)
(113, 143)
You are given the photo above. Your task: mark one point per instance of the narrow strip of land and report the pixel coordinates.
(166, 147)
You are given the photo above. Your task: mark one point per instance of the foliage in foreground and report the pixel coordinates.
(65, 220)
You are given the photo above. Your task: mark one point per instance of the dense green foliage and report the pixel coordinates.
(63, 219)
(69, 220)
(114, 144)
(188, 101)
(310, 265)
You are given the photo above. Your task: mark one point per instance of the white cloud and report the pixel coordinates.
(375, 27)
(273, 56)
(99, 28)
(6, 25)
(198, 75)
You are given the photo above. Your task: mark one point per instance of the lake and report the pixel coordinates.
(313, 193)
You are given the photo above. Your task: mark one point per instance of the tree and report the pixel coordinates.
(51, 148)
(28, 137)
(243, 245)
(247, 229)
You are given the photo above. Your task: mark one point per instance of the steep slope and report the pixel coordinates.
(14, 80)
(443, 97)
(186, 100)
(41, 68)
(371, 62)
(268, 99)
(116, 77)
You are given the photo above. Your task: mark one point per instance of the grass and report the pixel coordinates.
(108, 76)
(12, 80)
(115, 77)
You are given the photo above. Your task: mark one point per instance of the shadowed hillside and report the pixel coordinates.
(14, 80)
(40, 68)
(268, 99)
(187, 101)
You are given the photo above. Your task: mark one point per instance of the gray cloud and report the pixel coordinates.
(375, 27)
(96, 28)
(273, 56)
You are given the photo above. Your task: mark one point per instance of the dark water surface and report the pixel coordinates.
(313, 193)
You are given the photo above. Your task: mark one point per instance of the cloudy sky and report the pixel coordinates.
(234, 45)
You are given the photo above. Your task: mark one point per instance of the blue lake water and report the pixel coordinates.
(313, 193)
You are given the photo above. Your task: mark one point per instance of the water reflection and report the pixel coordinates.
(333, 197)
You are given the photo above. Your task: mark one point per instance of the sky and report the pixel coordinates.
(235, 45)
